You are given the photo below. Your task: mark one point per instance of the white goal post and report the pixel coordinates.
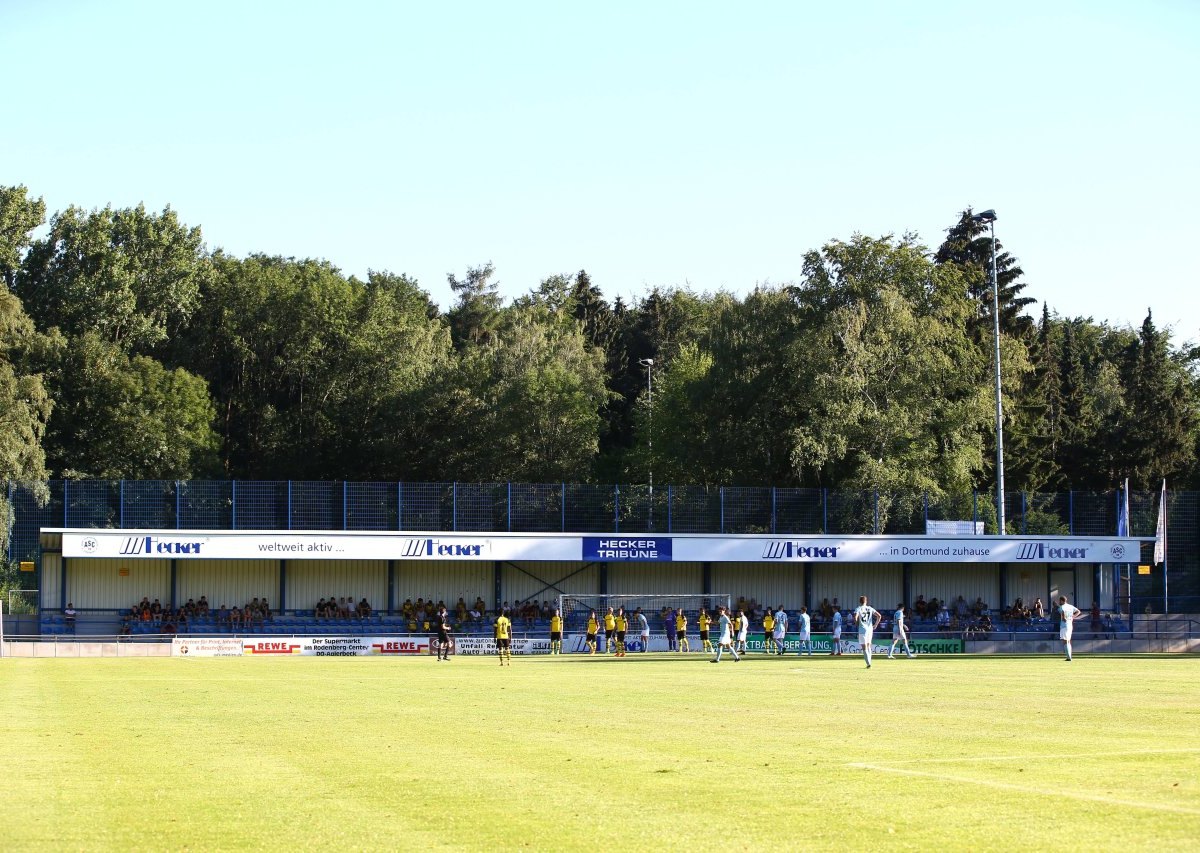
(575, 610)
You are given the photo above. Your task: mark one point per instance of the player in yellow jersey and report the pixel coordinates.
(504, 638)
(592, 627)
(610, 629)
(702, 621)
(681, 630)
(768, 631)
(556, 633)
(620, 623)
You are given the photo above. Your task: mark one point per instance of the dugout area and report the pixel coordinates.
(102, 572)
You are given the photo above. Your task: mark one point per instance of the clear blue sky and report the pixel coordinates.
(651, 143)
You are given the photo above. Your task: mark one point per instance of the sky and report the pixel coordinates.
(698, 144)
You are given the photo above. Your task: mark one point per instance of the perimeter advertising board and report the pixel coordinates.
(880, 643)
(298, 646)
(305, 545)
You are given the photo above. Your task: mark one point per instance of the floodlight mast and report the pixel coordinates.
(648, 363)
(988, 217)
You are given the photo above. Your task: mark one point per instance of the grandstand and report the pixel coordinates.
(105, 545)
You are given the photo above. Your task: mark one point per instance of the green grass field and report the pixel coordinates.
(600, 754)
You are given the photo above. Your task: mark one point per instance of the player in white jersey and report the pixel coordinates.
(726, 629)
(867, 618)
(805, 632)
(779, 633)
(837, 633)
(1068, 613)
(899, 632)
(743, 632)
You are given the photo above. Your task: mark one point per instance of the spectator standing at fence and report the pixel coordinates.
(725, 640)
(643, 630)
(899, 632)
(867, 619)
(1068, 613)
(69, 616)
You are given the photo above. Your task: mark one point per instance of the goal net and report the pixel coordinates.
(657, 609)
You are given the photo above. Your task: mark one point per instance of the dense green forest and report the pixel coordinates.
(129, 349)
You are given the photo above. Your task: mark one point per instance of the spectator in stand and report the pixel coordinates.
(960, 607)
(145, 611)
(364, 609)
(223, 615)
(979, 607)
(460, 610)
(920, 607)
(1097, 620)
(480, 605)
(69, 617)
(156, 611)
(202, 606)
(943, 618)
(1039, 609)
(235, 618)
(476, 613)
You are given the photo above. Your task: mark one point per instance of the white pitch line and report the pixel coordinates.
(983, 759)
(1026, 789)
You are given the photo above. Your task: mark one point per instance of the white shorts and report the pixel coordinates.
(646, 636)
(899, 634)
(742, 637)
(837, 633)
(1064, 633)
(778, 635)
(864, 639)
(725, 640)
(805, 636)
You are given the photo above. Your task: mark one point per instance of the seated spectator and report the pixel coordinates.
(235, 618)
(979, 608)
(319, 610)
(406, 609)
(69, 617)
(202, 606)
(1039, 609)
(125, 630)
(146, 614)
(826, 609)
(364, 609)
(943, 617)
(475, 613)
(223, 615)
(168, 628)
(920, 607)
(460, 610)
(480, 604)
(343, 609)
(156, 611)
(264, 608)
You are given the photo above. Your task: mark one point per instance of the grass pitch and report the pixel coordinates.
(600, 754)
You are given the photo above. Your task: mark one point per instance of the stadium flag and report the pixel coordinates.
(1160, 529)
(1123, 512)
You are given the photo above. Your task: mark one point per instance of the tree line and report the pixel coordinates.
(130, 350)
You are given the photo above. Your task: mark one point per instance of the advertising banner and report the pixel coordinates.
(348, 545)
(298, 646)
(880, 643)
(487, 646)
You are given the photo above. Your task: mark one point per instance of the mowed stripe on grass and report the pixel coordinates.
(578, 752)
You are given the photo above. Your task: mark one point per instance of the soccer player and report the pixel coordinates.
(556, 632)
(621, 623)
(504, 638)
(837, 633)
(899, 632)
(805, 632)
(443, 635)
(867, 618)
(743, 628)
(779, 630)
(644, 630)
(681, 630)
(702, 622)
(670, 625)
(592, 627)
(1068, 613)
(610, 629)
(726, 638)
(768, 630)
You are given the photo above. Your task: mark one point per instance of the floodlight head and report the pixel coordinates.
(646, 362)
(986, 216)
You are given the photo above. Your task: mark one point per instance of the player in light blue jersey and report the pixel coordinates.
(725, 627)
(899, 632)
(867, 619)
(805, 632)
